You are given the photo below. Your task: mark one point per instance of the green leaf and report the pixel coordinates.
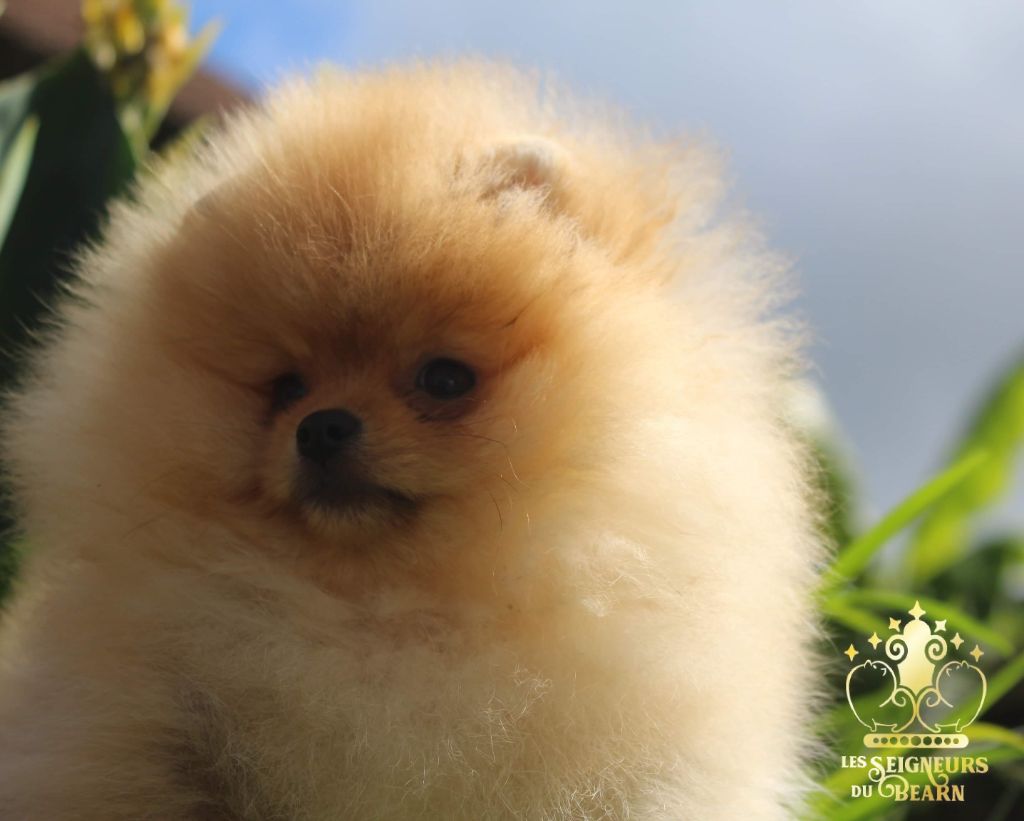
(81, 159)
(892, 600)
(943, 535)
(14, 165)
(852, 560)
(983, 731)
(981, 583)
(837, 608)
(15, 97)
(1005, 680)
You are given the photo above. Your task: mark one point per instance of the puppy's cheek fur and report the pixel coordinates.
(276, 468)
(184, 436)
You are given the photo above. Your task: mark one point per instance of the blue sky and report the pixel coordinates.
(880, 143)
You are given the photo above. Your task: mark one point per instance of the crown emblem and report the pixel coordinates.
(920, 703)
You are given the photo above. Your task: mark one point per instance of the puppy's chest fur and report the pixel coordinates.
(452, 714)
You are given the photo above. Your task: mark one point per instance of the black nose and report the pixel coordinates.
(323, 433)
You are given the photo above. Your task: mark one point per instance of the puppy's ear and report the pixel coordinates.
(526, 163)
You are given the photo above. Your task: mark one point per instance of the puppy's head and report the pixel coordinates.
(374, 324)
(380, 350)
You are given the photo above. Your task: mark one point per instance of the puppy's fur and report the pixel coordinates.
(581, 591)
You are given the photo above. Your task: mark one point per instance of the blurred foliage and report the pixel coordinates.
(143, 48)
(940, 555)
(63, 155)
(73, 134)
(943, 538)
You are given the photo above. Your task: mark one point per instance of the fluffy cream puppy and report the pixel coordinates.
(414, 450)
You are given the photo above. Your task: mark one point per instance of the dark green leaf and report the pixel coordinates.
(81, 160)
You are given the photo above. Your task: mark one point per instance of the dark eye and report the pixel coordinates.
(445, 379)
(286, 390)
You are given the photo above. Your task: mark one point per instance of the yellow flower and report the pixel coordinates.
(129, 33)
(173, 39)
(94, 12)
(144, 48)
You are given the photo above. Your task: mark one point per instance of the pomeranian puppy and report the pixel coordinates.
(416, 449)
